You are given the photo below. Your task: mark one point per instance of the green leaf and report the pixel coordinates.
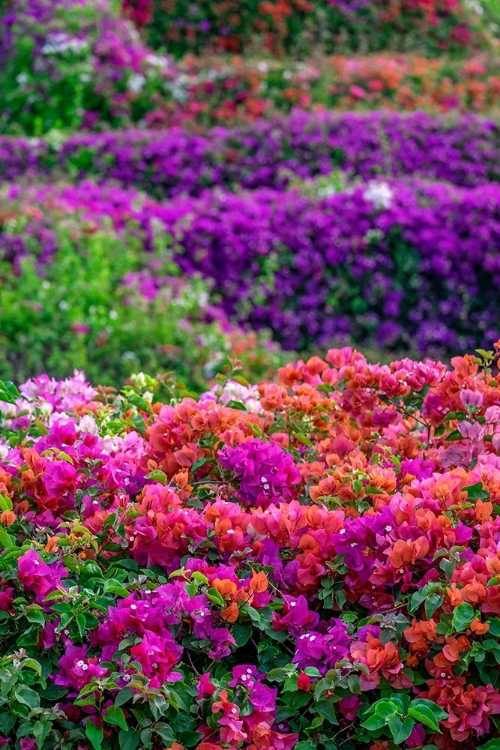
(432, 602)
(236, 405)
(216, 597)
(26, 695)
(463, 615)
(40, 731)
(312, 672)
(7, 721)
(416, 600)
(303, 439)
(201, 462)
(94, 735)
(115, 715)
(476, 492)
(5, 503)
(6, 540)
(53, 692)
(326, 709)
(276, 675)
(157, 476)
(374, 722)
(123, 696)
(494, 624)
(165, 732)
(241, 633)
(197, 576)
(384, 707)
(438, 712)
(35, 614)
(81, 622)
(8, 392)
(491, 745)
(321, 688)
(129, 740)
(448, 567)
(400, 728)
(425, 716)
(354, 683)
(191, 739)
(454, 435)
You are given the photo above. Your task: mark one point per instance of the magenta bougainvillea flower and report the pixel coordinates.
(265, 472)
(39, 577)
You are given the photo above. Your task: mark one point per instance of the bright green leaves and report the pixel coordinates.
(463, 615)
(398, 715)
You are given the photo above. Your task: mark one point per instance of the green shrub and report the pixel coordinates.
(77, 312)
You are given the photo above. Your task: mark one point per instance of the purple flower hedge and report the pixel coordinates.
(464, 151)
(405, 264)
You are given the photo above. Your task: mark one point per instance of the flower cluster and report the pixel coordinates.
(199, 574)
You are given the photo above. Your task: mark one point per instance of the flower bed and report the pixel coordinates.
(302, 26)
(406, 265)
(64, 67)
(309, 563)
(232, 90)
(461, 150)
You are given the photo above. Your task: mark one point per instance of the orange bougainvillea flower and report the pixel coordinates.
(420, 635)
(231, 613)
(404, 554)
(225, 587)
(51, 545)
(258, 582)
(7, 518)
(478, 627)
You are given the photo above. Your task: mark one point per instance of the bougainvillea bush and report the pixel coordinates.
(463, 150)
(402, 265)
(79, 288)
(302, 26)
(65, 65)
(231, 90)
(310, 562)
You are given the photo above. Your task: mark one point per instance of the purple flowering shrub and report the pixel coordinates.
(312, 565)
(402, 265)
(461, 150)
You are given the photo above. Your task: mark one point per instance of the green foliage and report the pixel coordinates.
(77, 313)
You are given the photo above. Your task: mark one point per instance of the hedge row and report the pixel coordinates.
(304, 26)
(405, 264)
(464, 151)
